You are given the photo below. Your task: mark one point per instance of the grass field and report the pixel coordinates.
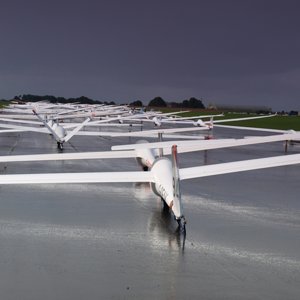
(277, 122)
(3, 103)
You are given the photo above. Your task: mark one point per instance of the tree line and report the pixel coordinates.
(53, 99)
(155, 102)
(160, 102)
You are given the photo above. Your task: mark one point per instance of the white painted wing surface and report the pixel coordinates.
(239, 166)
(25, 128)
(162, 131)
(251, 128)
(68, 156)
(195, 117)
(88, 114)
(21, 121)
(187, 146)
(229, 143)
(28, 117)
(145, 133)
(16, 128)
(96, 177)
(169, 144)
(243, 119)
(97, 133)
(73, 125)
(178, 136)
(10, 130)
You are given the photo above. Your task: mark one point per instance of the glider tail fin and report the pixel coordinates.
(211, 122)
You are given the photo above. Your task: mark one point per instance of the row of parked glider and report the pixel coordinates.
(63, 121)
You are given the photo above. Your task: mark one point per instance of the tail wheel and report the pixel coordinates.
(181, 223)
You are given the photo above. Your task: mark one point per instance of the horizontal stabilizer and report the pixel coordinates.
(76, 129)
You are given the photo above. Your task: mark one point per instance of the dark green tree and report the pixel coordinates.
(157, 102)
(193, 103)
(137, 103)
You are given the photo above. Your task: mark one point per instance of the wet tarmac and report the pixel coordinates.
(115, 241)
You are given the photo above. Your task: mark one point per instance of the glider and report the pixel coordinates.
(164, 174)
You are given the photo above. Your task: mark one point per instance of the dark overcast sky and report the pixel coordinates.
(228, 52)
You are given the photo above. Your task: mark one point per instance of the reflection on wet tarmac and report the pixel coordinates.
(163, 227)
(162, 224)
